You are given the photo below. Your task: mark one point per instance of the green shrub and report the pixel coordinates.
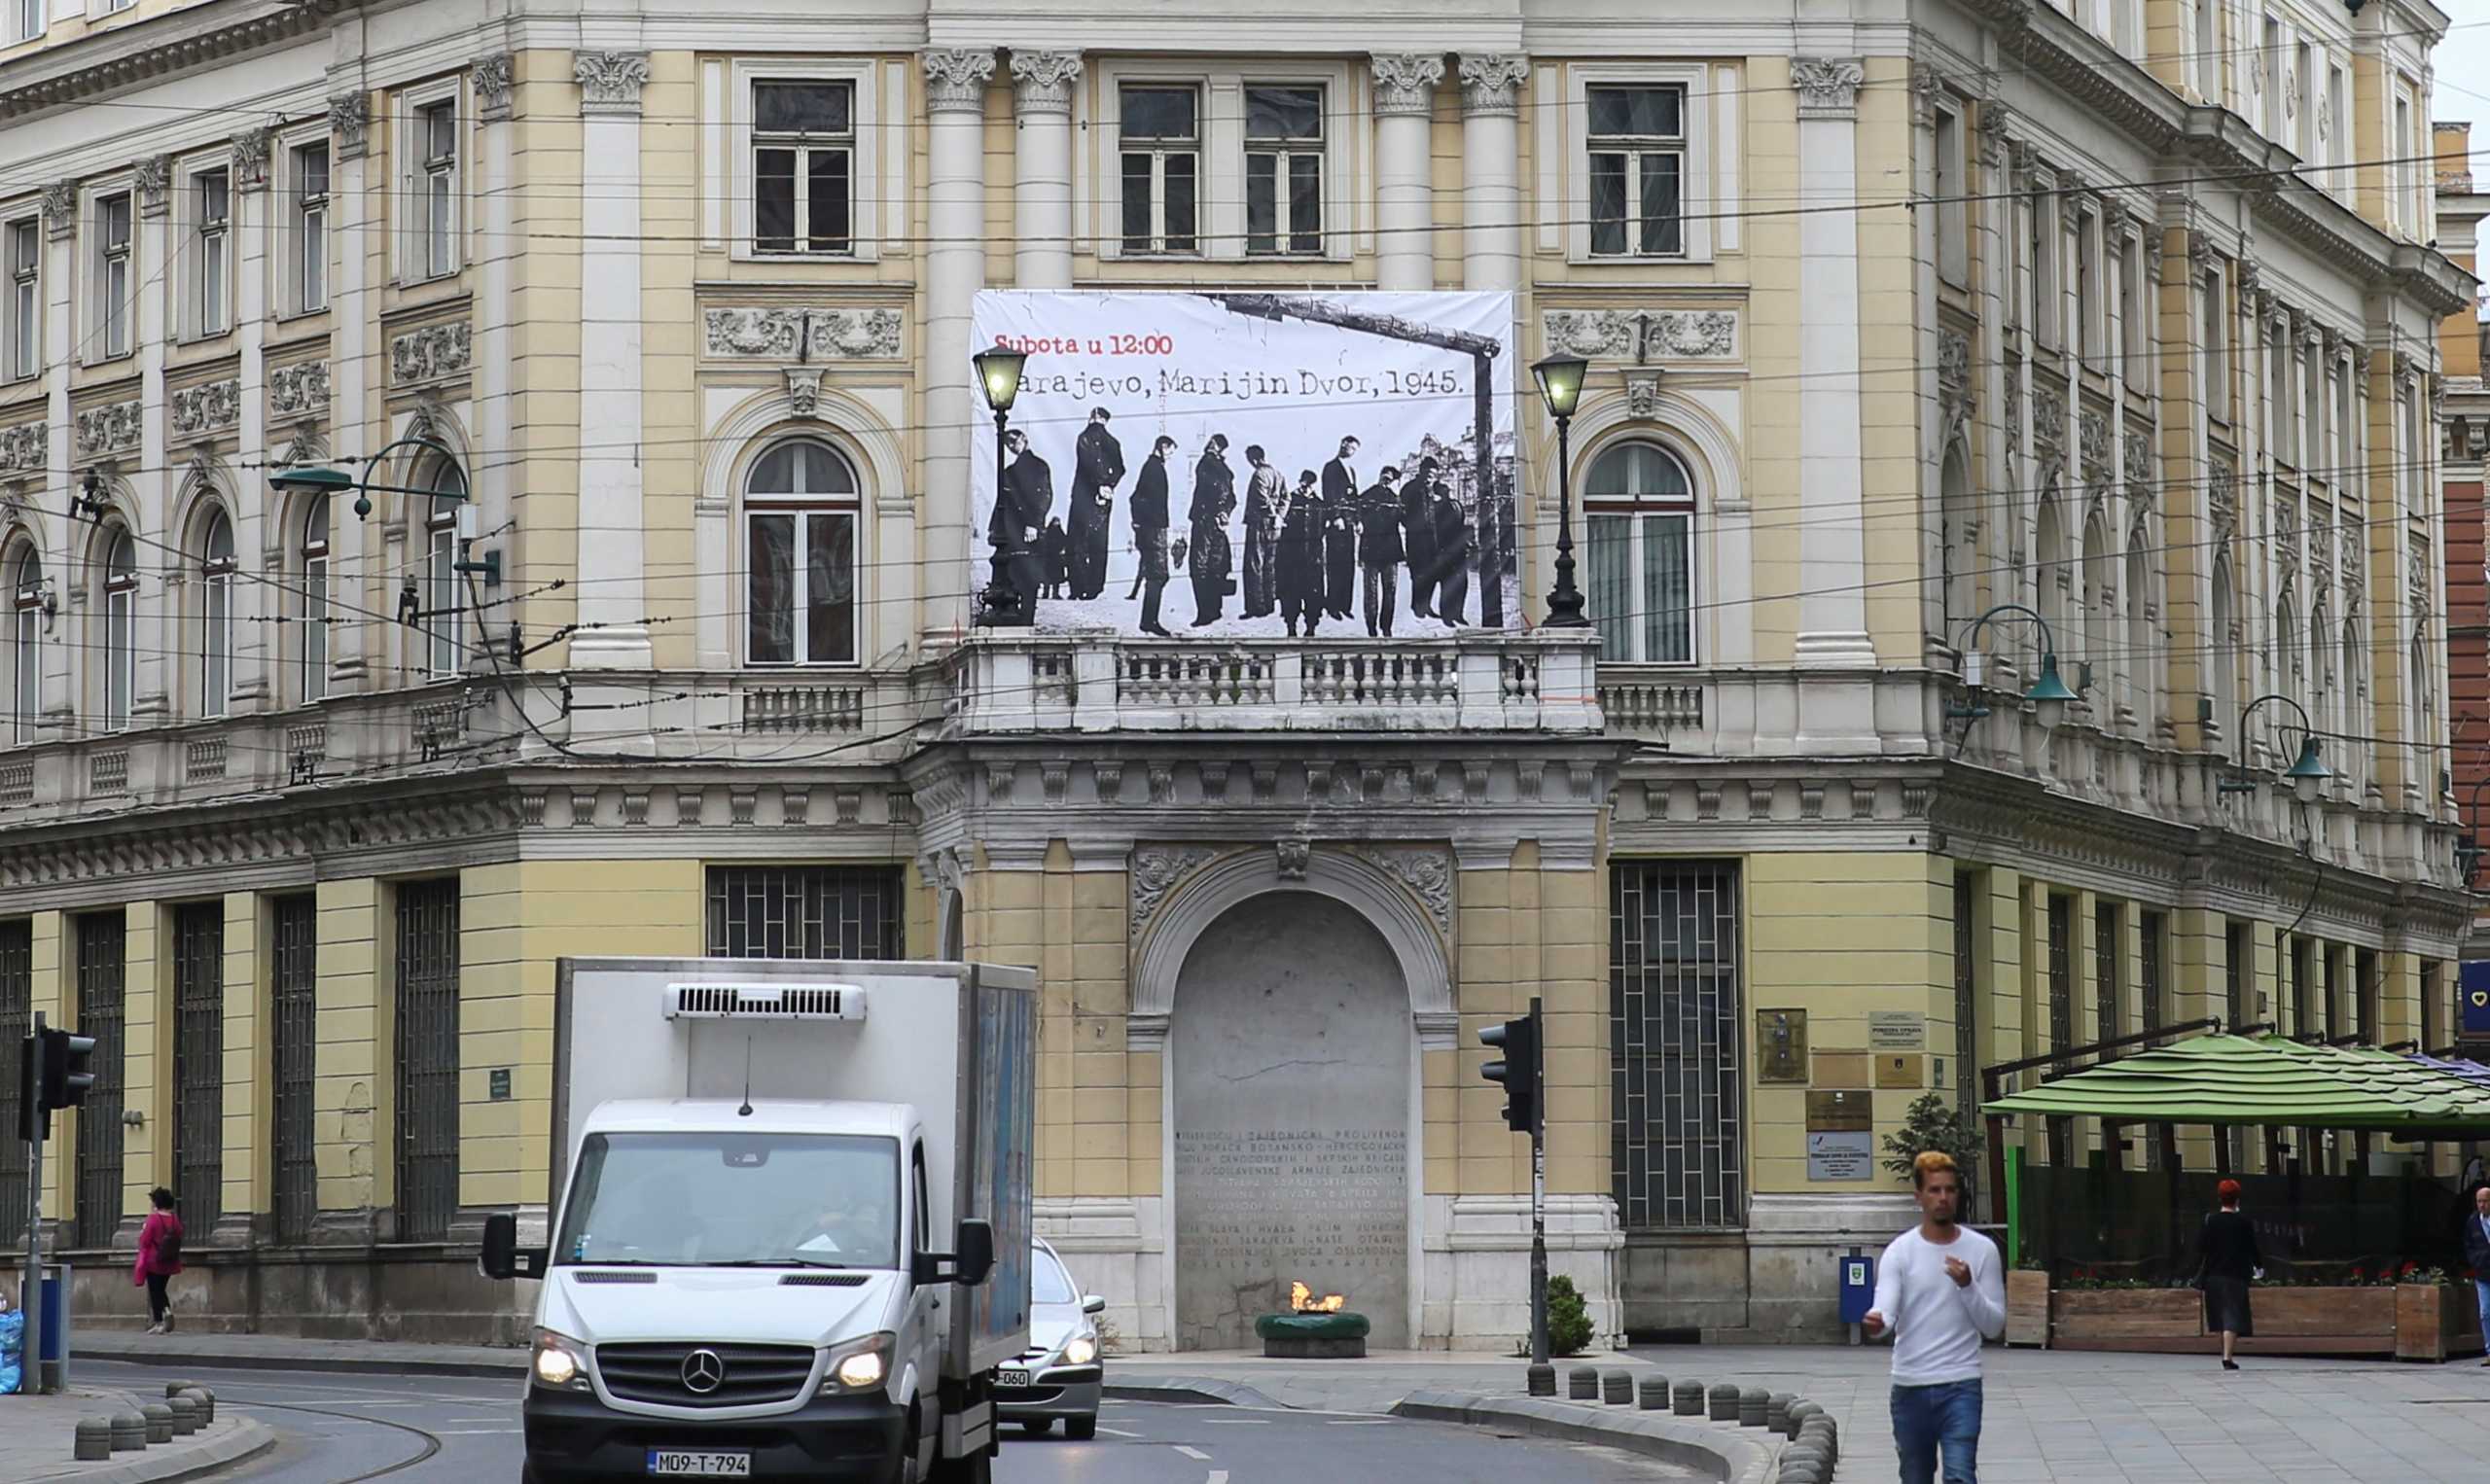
(1569, 1319)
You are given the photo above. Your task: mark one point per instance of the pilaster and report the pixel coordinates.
(350, 1057)
(1833, 626)
(1042, 84)
(245, 1155)
(612, 543)
(955, 87)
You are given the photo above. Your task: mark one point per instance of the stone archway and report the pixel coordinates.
(1291, 1064)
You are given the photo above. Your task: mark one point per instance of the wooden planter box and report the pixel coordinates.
(2120, 1319)
(2412, 1322)
(2027, 1308)
(2349, 1320)
(2434, 1320)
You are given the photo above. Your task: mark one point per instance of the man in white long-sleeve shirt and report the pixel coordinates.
(1939, 1290)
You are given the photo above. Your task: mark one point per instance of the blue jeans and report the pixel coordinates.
(2481, 1295)
(1927, 1417)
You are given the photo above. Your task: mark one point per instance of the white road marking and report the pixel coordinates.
(475, 1431)
(1193, 1453)
(1117, 1433)
(1366, 1422)
(1239, 1422)
(1217, 1476)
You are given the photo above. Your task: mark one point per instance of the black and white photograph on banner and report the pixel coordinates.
(1264, 464)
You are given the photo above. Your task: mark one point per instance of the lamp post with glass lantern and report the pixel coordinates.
(2047, 694)
(1560, 383)
(330, 480)
(2308, 774)
(1009, 598)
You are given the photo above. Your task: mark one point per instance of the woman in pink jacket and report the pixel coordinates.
(159, 1257)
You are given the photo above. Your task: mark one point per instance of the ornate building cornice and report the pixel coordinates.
(166, 47)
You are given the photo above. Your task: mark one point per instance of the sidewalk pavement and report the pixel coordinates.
(38, 1436)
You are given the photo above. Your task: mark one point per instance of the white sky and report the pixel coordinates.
(2463, 71)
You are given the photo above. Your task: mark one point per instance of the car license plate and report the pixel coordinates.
(678, 1463)
(1012, 1378)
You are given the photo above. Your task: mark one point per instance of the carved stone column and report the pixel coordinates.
(955, 84)
(1405, 91)
(1042, 84)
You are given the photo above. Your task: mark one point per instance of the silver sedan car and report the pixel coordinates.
(1059, 1375)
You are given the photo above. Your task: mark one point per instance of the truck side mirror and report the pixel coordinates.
(501, 1257)
(1094, 1304)
(975, 1262)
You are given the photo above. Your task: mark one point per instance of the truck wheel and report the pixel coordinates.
(1038, 1427)
(1080, 1428)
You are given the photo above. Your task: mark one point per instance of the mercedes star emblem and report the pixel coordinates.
(703, 1372)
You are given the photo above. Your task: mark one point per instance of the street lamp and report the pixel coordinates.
(1560, 382)
(326, 479)
(2307, 773)
(998, 376)
(2469, 849)
(2048, 694)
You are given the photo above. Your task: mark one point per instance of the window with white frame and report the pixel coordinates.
(25, 297)
(2347, 427)
(1160, 139)
(113, 298)
(2215, 310)
(1635, 135)
(803, 151)
(433, 185)
(2091, 305)
(2282, 438)
(1953, 212)
(2336, 153)
(2308, 389)
(26, 18)
(25, 640)
(211, 251)
(2048, 309)
(1283, 170)
(120, 617)
(216, 569)
(799, 524)
(2303, 141)
(307, 233)
(314, 658)
(2269, 63)
(1638, 515)
(445, 604)
(2208, 54)
(2135, 314)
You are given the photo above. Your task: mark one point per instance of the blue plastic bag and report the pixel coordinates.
(12, 1345)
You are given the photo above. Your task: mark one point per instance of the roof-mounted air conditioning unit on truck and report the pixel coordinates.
(794, 1231)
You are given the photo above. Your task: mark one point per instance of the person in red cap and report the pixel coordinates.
(2227, 1259)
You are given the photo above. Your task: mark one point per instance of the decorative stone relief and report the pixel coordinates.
(492, 79)
(1994, 119)
(2287, 536)
(1294, 852)
(150, 176)
(1490, 82)
(2222, 499)
(2092, 442)
(1155, 870)
(107, 429)
(61, 208)
(1927, 86)
(2014, 410)
(803, 390)
(207, 407)
(2352, 578)
(2417, 579)
(824, 334)
(1425, 870)
(1828, 86)
(430, 354)
(1405, 81)
(350, 119)
(28, 445)
(610, 82)
(2320, 559)
(2048, 421)
(955, 79)
(1042, 81)
(1643, 395)
(1634, 335)
(2139, 457)
(251, 158)
(1953, 367)
(302, 387)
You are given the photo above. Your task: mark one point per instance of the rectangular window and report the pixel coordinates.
(427, 1059)
(2336, 153)
(25, 23)
(25, 298)
(2282, 438)
(2303, 140)
(2049, 310)
(310, 229)
(2208, 52)
(1160, 143)
(1637, 142)
(2107, 954)
(199, 1063)
(17, 1019)
(805, 912)
(436, 140)
(1641, 586)
(102, 939)
(444, 607)
(2091, 305)
(1966, 994)
(804, 144)
(2268, 62)
(803, 588)
(2437, 1026)
(113, 305)
(211, 251)
(2398, 173)
(1953, 213)
(2347, 436)
(2306, 1019)
(2214, 307)
(293, 986)
(2061, 970)
(2366, 991)
(2135, 315)
(1676, 1045)
(2153, 927)
(2308, 392)
(1283, 170)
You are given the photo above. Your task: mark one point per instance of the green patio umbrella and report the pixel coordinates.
(2261, 1081)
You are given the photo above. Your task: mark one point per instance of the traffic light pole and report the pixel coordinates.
(30, 1366)
(1539, 1202)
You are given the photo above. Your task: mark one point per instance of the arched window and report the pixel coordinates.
(2100, 601)
(2325, 694)
(2428, 758)
(216, 567)
(120, 617)
(2055, 575)
(25, 641)
(1958, 546)
(445, 604)
(2142, 651)
(2280, 723)
(2223, 640)
(315, 600)
(799, 524)
(1638, 519)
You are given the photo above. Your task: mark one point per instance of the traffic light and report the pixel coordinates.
(1517, 1070)
(67, 1077)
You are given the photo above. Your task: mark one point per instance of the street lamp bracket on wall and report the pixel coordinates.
(2048, 692)
(2307, 773)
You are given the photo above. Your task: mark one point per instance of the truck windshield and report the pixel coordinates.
(713, 1200)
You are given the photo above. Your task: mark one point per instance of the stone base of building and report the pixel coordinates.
(1775, 1283)
(416, 1293)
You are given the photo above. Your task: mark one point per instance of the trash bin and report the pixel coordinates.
(1858, 1285)
(53, 1346)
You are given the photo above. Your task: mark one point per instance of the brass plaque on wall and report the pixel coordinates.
(1901, 1069)
(1840, 1112)
(1841, 1069)
(1781, 1046)
(1897, 1031)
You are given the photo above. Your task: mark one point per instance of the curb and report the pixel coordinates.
(130, 1350)
(1715, 1455)
(1194, 1391)
(232, 1441)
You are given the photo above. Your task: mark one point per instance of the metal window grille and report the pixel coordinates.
(293, 989)
(427, 1046)
(2061, 972)
(2149, 1006)
(1966, 994)
(2364, 986)
(2337, 1015)
(1676, 1064)
(17, 1019)
(198, 1062)
(805, 912)
(2105, 969)
(2303, 988)
(2236, 970)
(102, 943)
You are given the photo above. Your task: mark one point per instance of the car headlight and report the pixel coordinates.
(861, 1367)
(559, 1361)
(1082, 1351)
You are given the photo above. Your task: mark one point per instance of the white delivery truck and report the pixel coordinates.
(794, 1231)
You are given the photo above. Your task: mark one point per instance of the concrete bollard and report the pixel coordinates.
(1543, 1379)
(203, 1399)
(1822, 1438)
(94, 1439)
(1798, 1413)
(1687, 1398)
(159, 1422)
(1751, 1404)
(185, 1415)
(1581, 1384)
(1617, 1388)
(1776, 1412)
(1802, 1471)
(173, 1389)
(130, 1432)
(1724, 1402)
(1655, 1394)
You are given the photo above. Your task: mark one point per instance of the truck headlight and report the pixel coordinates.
(861, 1367)
(559, 1361)
(1081, 1352)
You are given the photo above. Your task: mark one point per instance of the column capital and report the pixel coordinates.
(61, 208)
(955, 79)
(1405, 81)
(251, 158)
(153, 175)
(492, 79)
(350, 120)
(1490, 80)
(610, 82)
(1828, 86)
(1042, 81)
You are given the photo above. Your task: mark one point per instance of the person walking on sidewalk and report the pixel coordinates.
(159, 1257)
(2476, 1255)
(1940, 1291)
(2230, 1261)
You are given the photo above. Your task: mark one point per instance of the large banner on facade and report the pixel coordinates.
(1253, 464)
